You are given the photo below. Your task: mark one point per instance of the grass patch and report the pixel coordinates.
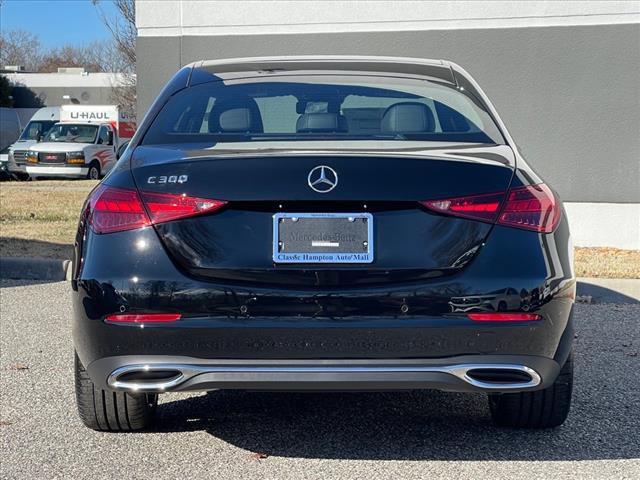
(607, 262)
(39, 219)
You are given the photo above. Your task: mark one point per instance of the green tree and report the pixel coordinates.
(5, 92)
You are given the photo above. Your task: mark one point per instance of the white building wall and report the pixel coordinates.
(199, 17)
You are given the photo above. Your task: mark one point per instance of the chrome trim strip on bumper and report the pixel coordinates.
(186, 372)
(51, 170)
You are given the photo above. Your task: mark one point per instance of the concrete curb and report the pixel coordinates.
(590, 290)
(610, 290)
(33, 268)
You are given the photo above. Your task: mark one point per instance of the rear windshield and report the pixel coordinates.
(65, 132)
(323, 107)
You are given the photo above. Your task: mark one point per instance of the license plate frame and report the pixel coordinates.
(338, 257)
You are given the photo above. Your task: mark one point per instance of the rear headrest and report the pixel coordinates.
(321, 122)
(408, 117)
(235, 115)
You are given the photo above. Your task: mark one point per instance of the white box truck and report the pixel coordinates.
(82, 144)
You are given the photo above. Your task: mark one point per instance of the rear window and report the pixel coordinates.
(323, 107)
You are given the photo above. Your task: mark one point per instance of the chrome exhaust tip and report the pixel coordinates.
(500, 377)
(158, 378)
(145, 378)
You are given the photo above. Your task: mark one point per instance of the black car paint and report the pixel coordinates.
(392, 311)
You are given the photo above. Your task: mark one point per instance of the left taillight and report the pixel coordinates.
(117, 209)
(531, 207)
(164, 207)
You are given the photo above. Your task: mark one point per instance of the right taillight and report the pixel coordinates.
(532, 207)
(118, 209)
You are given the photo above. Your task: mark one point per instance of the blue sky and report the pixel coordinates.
(57, 22)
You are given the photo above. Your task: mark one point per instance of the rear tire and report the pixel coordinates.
(94, 171)
(545, 408)
(109, 411)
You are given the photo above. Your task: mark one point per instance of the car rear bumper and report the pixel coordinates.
(421, 324)
(479, 373)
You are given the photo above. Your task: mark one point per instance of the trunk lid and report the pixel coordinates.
(410, 242)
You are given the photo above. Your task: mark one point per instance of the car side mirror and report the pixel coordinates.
(121, 150)
(110, 138)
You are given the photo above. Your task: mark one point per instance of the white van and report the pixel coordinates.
(36, 129)
(82, 145)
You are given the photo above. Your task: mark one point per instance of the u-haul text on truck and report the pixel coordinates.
(82, 144)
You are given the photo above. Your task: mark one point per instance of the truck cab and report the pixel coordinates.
(34, 132)
(74, 150)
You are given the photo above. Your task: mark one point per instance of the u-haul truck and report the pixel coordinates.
(82, 144)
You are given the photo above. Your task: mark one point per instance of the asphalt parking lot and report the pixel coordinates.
(368, 435)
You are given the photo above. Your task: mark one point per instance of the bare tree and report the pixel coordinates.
(91, 57)
(124, 32)
(19, 47)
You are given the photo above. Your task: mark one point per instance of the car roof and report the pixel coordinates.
(257, 66)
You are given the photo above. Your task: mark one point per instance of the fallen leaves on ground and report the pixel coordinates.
(257, 456)
(18, 366)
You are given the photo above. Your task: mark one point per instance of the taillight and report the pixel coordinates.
(163, 207)
(118, 209)
(142, 317)
(477, 207)
(532, 207)
(503, 317)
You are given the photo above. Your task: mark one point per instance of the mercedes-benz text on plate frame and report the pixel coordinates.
(322, 179)
(323, 238)
(340, 223)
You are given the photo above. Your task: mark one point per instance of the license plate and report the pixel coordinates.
(323, 238)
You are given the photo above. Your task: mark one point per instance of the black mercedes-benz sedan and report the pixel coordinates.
(324, 224)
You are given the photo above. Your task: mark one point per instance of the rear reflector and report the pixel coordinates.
(143, 317)
(503, 317)
(531, 207)
(118, 209)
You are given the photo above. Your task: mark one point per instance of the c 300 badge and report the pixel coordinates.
(168, 179)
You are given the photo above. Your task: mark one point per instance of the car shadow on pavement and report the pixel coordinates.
(425, 425)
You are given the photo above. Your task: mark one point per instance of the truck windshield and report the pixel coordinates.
(69, 132)
(323, 108)
(37, 129)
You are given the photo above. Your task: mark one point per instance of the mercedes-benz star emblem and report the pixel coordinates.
(322, 179)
